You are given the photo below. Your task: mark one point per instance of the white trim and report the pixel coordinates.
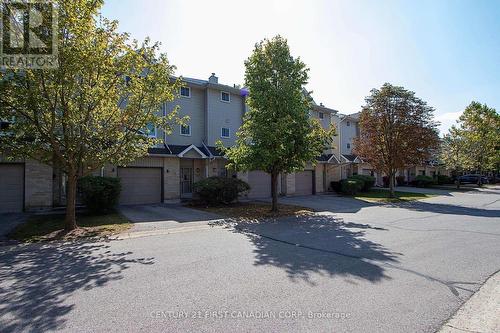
(228, 94)
(225, 137)
(335, 157)
(180, 130)
(188, 88)
(181, 154)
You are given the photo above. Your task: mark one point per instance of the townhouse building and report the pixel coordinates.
(183, 157)
(350, 164)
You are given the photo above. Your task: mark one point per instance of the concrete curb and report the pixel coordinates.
(481, 313)
(159, 232)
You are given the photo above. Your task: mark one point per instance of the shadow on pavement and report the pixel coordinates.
(36, 280)
(422, 206)
(316, 244)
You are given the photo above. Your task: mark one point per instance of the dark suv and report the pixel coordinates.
(472, 179)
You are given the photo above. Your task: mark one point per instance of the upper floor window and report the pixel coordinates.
(348, 146)
(150, 130)
(348, 123)
(225, 132)
(186, 130)
(225, 96)
(321, 115)
(185, 92)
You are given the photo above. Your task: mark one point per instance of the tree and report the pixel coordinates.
(397, 130)
(476, 140)
(277, 135)
(452, 152)
(95, 107)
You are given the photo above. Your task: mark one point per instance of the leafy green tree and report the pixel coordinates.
(95, 107)
(397, 130)
(452, 152)
(477, 138)
(277, 135)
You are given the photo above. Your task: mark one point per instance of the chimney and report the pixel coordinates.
(213, 79)
(321, 104)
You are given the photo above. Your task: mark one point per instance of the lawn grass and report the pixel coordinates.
(375, 195)
(255, 210)
(51, 227)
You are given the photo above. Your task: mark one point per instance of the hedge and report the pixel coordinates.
(368, 181)
(219, 190)
(351, 186)
(99, 194)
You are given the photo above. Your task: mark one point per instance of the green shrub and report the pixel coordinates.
(368, 181)
(443, 179)
(219, 190)
(99, 194)
(423, 181)
(351, 186)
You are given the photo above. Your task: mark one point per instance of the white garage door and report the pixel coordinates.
(140, 185)
(304, 183)
(11, 188)
(260, 184)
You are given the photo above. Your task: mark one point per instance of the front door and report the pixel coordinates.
(186, 182)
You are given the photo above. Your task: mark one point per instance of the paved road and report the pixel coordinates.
(355, 267)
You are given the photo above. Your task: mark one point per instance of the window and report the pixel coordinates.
(348, 146)
(224, 132)
(348, 123)
(185, 92)
(186, 130)
(225, 96)
(321, 115)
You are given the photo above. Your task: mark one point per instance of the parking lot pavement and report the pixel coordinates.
(164, 216)
(352, 267)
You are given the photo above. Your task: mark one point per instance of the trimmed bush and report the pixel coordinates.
(219, 190)
(335, 186)
(99, 194)
(443, 179)
(368, 181)
(351, 186)
(400, 180)
(423, 181)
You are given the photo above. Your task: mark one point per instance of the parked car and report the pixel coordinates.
(472, 179)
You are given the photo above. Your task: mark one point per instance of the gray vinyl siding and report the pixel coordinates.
(223, 114)
(326, 121)
(194, 107)
(348, 134)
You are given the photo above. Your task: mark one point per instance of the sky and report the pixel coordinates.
(447, 52)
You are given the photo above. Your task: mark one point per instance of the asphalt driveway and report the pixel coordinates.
(353, 267)
(165, 216)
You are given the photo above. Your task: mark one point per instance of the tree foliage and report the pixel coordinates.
(397, 130)
(277, 135)
(474, 143)
(95, 107)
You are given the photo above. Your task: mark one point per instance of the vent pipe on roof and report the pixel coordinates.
(213, 78)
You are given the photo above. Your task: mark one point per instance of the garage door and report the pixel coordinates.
(260, 184)
(11, 188)
(304, 183)
(140, 185)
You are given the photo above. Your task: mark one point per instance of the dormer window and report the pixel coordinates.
(321, 115)
(185, 92)
(348, 123)
(225, 96)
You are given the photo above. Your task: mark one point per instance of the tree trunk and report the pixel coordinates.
(480, 180)
(274, 191)
(391, 185)
(70, 220)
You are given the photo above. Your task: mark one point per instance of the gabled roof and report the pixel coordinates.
(176, 150)
(351, 158)
(328, 158)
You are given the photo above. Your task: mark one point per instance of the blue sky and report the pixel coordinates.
(448, 52)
